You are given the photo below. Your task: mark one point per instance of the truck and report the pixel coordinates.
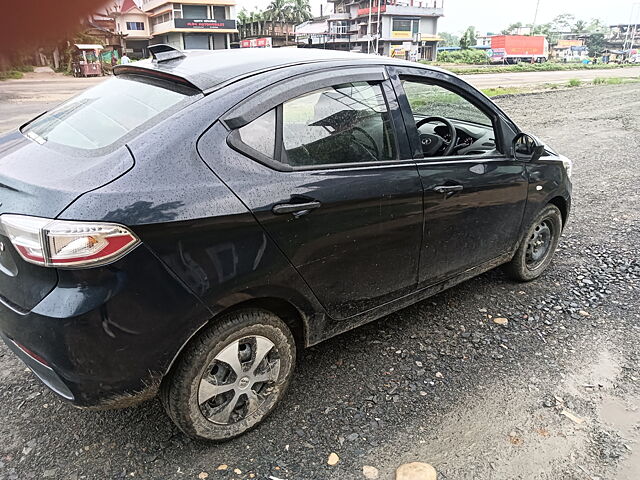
(519, 48)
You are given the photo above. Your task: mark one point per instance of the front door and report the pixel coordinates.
(345, 202)
(474, 194)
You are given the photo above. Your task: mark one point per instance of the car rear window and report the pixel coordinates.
(102, 115)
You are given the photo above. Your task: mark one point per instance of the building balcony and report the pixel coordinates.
(148, 5)
(425, 11)
(339, 16)
(414, 8)
(195, 26)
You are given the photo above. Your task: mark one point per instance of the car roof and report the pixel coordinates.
(208, 70)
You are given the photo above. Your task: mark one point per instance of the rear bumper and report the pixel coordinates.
(105, 337)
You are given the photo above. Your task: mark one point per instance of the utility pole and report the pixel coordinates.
(379, 27)
(535, 17)
(369, 28)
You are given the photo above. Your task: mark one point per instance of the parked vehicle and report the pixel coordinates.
(85, 60)
(191, 223)
(519, 48)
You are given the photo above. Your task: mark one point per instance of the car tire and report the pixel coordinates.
(537, 246)
(227, 363)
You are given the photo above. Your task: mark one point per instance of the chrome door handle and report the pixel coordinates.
(447, 188)
(295, 208)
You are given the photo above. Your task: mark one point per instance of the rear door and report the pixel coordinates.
(336, 186)
(474, 198)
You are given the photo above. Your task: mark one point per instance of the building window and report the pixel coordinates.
(135, 25)
(165, 17)
(405, 27)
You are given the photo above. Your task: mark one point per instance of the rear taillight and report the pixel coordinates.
(62, 243)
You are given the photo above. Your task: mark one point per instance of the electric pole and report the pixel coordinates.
(535, 18)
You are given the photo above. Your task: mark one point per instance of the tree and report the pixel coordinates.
(300, 11)
(511, 29)
(243, 19)
(449, 40)
(595, 44)
(596, 26)
(563, 22)
(468, 38)
(279, 11)
(579, 27)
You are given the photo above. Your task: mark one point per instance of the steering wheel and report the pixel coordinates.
(371, 149)
(433, 143)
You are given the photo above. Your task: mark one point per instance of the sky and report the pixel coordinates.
(495, 15)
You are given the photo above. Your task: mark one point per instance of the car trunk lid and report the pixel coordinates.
(40, 181)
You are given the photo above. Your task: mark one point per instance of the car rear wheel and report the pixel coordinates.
(231, 376)
(537, 246)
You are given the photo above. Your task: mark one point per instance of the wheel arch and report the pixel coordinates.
(285, 310)
(563, 206)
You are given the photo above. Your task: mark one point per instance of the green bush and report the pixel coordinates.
(574, 82)
(532, 67)
(24, 68)
(472, 57)
(599, 81)
(11, 74)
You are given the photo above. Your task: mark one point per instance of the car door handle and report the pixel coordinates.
(295, 208)
(447, 188)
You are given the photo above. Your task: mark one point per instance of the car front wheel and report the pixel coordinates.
(537, 246)
(231, 376)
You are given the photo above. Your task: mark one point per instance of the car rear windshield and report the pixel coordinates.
(104, 114)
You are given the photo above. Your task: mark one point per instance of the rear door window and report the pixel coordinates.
(347, 123)
(104, 114)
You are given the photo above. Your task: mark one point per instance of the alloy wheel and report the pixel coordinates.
(239, 380)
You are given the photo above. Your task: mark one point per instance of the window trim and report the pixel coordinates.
(446, 81)
(256, 105)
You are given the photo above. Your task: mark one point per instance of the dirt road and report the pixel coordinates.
(491, 80)
(553, 394)
(21, 100)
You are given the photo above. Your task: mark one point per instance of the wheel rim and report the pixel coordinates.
(239, 381)
(539, 244)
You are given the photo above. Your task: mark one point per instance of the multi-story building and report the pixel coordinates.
(405, 28)
(192, 24)
(133, 26)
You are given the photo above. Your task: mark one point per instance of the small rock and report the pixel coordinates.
(222, 467)
(203, 475)
(572, 416)
(333, 459)
(237, 471)
(416, 471)
(584, 313)
(501, 321)
(370, 473)
(439, 375)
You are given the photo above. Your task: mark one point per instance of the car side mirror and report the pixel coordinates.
(527, 148)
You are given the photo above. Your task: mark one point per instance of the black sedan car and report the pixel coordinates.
(186, 226)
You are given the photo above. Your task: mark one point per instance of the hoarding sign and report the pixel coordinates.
(205, 24)
(264, 42)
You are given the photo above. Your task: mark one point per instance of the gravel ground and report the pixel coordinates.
(553, 393)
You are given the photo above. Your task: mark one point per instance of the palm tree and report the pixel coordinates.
(243, 19)
(580, 26)
(299, 11)
(279, 12)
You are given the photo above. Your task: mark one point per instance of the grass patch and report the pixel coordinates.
(11, 74)
(574, 82)
(494, 92)
(527, 67)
